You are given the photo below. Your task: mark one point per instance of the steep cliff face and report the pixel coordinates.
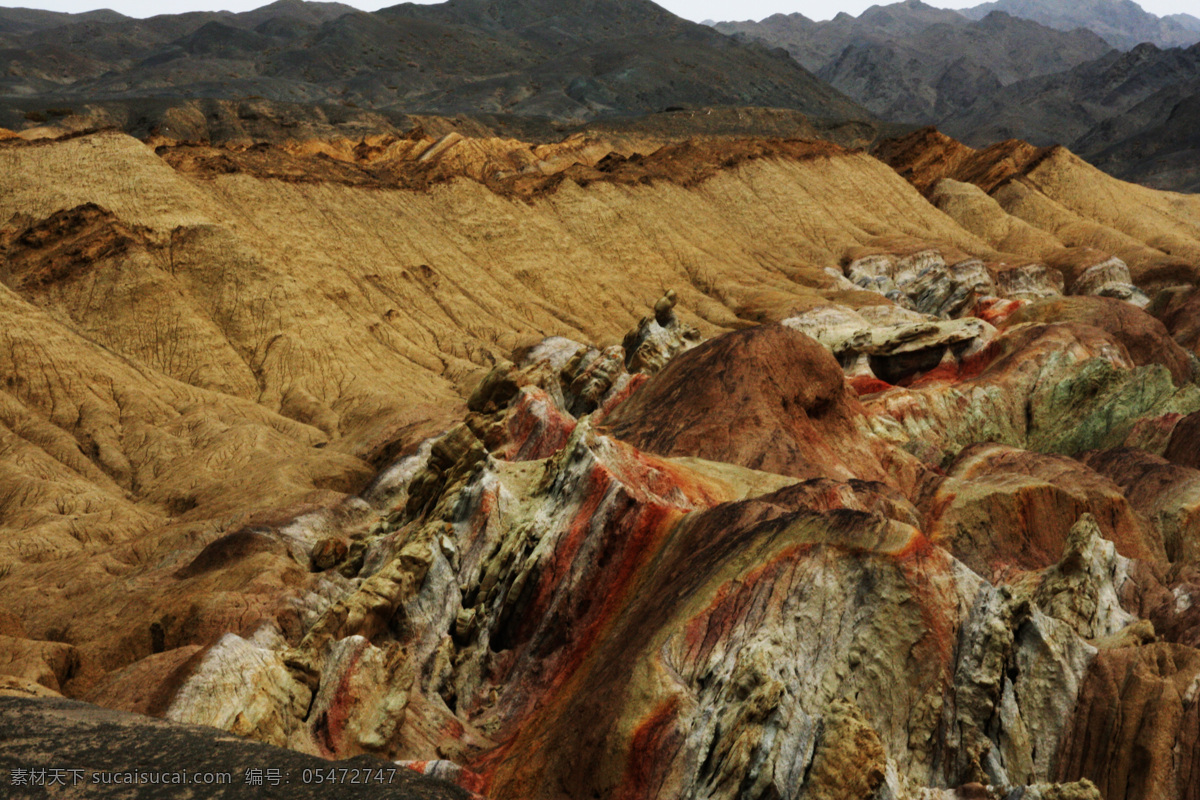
(726, 471)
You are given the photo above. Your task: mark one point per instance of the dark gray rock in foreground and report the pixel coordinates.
(40, 736)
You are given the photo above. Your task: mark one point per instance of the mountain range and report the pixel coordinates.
(989, 74)
(914, 63)
(1122, 23)
(569, 61)
(540, 69)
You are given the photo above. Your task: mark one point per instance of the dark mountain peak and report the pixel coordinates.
(998, 17)
(911, 62)
(564, 60)
(903, 5)
(301, 10)
(217, 38)
(508, 8)
(1001, 23)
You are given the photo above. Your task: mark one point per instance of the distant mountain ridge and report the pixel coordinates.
(1186, 21)
(914, 63)
(1131, 113)
(1122, 23)
(571, 60)
(815, 44)
(988, 75)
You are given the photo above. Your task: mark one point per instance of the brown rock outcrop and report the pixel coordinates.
(926, 156)
(1145, 338)
(1135, 731)
(767, 398)
(1179, 311)
(1183, 448)
(1001, 509)
(1166, 494)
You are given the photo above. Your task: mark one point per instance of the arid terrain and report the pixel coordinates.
(722, 467)
(717, 451)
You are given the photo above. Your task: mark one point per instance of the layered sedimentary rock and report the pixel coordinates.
(707, 473)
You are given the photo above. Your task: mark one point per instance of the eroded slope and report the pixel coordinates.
(567, 471)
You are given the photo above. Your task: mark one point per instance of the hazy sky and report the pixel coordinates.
(692, 9)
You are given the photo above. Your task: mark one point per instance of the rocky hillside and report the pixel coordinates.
(1123, 23)
(1127, 112)
(1154, 142)
(1067, 107)
(87, 752)
(741, 468)
(567, 61)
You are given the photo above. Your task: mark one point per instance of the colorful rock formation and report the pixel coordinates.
(865, 506)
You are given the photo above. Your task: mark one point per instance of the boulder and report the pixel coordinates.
(328, 553)
(1093, 272)
(889, 343)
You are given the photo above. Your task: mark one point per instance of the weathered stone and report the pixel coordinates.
(658, 339)
(890, 343)
(1134, 733)
(921, 280)
(329, 553)
(1166, 494)
(1093, 272)
(1028, 281)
